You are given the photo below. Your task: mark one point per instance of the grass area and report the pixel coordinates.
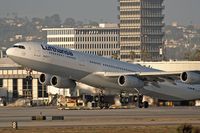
(96, 129)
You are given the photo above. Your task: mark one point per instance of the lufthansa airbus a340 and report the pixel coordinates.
(62, 68)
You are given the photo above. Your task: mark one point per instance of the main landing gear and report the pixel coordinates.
(136, 99)
(139, 101)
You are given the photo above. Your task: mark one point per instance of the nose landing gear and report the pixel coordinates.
(29, 74)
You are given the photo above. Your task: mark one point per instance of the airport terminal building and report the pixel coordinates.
(14, 83)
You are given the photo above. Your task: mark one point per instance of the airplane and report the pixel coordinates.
(62, 68)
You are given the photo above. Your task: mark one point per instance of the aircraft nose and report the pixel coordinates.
(9, 51)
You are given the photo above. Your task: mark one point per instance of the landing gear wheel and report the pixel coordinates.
(140, 105)
(138, 99)
(135, 98)
(145, 104)
(101, 107)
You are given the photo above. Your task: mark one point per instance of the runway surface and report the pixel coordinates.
(151, 116)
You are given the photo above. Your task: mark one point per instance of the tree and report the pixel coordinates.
(79, 23)
(192, 55)
(187, 55)
(115, 56)
(37, 21)
(93, 23)
(195, 56)
(69, 22)
(52, 21)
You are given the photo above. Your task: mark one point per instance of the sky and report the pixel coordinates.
(182, 11)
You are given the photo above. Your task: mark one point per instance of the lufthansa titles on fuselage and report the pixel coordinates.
(54, 49)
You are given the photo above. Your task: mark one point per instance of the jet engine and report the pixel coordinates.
(130, 82)
(45, 79)
(190, 77)
(60, 82)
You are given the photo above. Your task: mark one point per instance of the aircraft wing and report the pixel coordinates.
(148, 77)
(139, 74)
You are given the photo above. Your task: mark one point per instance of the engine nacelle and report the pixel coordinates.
(45, 79)
(60, 82)
(130, 82)
(190, 77)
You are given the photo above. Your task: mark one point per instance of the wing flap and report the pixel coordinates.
(140, 74)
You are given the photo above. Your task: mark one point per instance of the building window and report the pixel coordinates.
(42, 90)
(1, 82)
(27, 88)
(15, 88)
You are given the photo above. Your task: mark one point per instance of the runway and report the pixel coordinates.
(112, 117)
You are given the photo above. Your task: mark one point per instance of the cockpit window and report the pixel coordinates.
(19, 46)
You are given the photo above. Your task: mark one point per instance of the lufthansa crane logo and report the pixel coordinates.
(57, 50)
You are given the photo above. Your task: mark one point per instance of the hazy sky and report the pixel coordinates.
(183, 11)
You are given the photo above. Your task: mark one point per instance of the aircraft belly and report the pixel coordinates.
(105, 83)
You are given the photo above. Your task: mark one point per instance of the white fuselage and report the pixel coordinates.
(84, 67)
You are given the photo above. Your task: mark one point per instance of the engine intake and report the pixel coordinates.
(45, 79)
(190, 77)
(60, 82)
(130, 82)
